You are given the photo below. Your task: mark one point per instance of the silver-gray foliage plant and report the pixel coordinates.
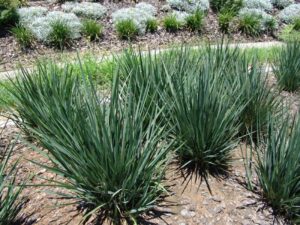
(189, 5)
(290, 13)
(264, 17)
(139, 14)
(86, 9)
(39, 23)
(258, 4)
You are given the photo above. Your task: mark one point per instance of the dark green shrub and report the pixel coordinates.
(126, 29)
(286, 66)
(151, 26)
(194, 22)
(278, 169)
(232, 5)
(296, 24)
(171, 24)
(23, 36)
(127, 158)
(225, 17)
(8, 17)
(60, 36)
(92, 29)
(250, 25)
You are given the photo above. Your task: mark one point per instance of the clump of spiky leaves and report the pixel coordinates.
(23, 93)
(126, 29)
(256, 94)
(92, 29)
(225, 17)
(10, 201)
(151, 25)
(296, 24)
(154, 68)
(250, 25)
(204, 118)
(219, 5)
(126, 159)
(171, 24)
(23, 36)
(194, 22)
(286, 67)
(278, 169)
(60, 35)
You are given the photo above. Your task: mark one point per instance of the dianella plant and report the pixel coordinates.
(113, 161)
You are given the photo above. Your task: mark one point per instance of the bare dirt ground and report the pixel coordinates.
(229, 203)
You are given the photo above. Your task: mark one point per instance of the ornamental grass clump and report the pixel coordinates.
(286, 67)
(260, 100)
(250, 25)
(278, 169)
(194, 22)
(204, 118)
(92, 29)
(171, 24)
(126, 29)
(23, 36)
(113, 164)
(11, 202)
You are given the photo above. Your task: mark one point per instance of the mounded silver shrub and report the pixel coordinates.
(189, 5)
(40, 27)
(258, 4)
(264, 17)
(139, 15)
(180, 16)
(86, 9)
(290, 13)
(28, 14)
(148, 8)
(282, 3)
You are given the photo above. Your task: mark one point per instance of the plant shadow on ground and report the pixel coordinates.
(194, 172)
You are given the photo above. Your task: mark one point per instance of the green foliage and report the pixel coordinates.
(287, 66)
(126, 29)
(60, 35)
(278, 169)
(23, 36)
(10, 202)
(225, 17)
(194, 22)
(288, 33)
(296, 24)
(259, 100)
(270, 25)
(232, 5)
(9, 3)
(250, 25)
(8, 16)
(171, 24)
(126, 159)
(92, 29)
(151, 25)
(204, 117)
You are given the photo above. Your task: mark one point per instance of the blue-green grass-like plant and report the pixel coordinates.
(113, 164)
(278, 169)
(205, 121)
(286, 66)
(11, 202)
